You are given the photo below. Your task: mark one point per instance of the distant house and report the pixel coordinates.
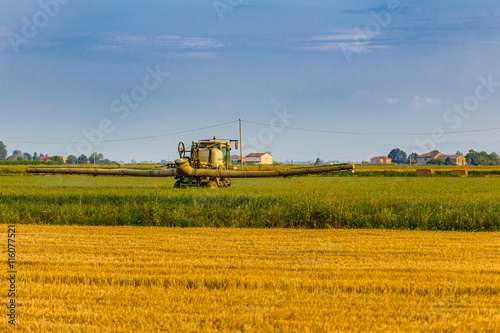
(50, 158)
(380, 160)
(236, 159)
(259, 158)
(422, 159)
(454, 159)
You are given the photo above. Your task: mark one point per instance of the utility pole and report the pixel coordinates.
(410, 155)
(241, 149)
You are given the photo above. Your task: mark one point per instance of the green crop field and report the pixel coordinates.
(416, 203)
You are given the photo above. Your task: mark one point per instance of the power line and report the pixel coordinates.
(261, 124)
(373, 133)
(127, 139)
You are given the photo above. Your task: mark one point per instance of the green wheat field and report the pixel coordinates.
(411, 203)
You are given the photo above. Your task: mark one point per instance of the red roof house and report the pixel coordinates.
(236, 158)
(259, 158)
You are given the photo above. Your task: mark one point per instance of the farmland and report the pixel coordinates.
(81, 278)
(115, 254)
(409, 203)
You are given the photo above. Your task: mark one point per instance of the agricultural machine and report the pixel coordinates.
(208, 164)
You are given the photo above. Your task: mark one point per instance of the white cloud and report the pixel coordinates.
(350, 40)
(120, 41)
(418, 101)
(196, 55)
(391, 100)
(434, 101)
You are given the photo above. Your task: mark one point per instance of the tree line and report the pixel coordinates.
(473, 157)
(18, 155)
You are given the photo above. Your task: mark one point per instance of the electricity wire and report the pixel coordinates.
(263, 124)
(127, 139)
(373, 133)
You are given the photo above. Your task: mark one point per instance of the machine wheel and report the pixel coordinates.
(177, 184)
(211, 184)
(181, 148)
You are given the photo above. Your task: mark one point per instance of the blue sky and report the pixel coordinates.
(96, 72)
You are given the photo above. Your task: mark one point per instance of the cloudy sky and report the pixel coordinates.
(347, 78)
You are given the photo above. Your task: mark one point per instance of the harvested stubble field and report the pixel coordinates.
(118, 279)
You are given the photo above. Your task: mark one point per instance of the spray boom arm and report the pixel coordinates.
(183, 169)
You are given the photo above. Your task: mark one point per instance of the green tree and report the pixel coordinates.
(17, 155)
(477, 158)
(35, 156)
(72, 159)
(494, 159)
(57, 158)
(82, 159)
(435, 161)
(397, 156)
(413, 158)
(471, 157)
(97, 157)
(3, 151)
(318, 161)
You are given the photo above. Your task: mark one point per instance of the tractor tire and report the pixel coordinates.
(211, 184)
(177, 184)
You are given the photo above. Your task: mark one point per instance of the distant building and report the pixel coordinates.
(380, 160)
(422, 159)
(50, 158)
(259, 158)
(454, 159)
(236, 159)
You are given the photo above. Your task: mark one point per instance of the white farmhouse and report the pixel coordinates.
(259, 158)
